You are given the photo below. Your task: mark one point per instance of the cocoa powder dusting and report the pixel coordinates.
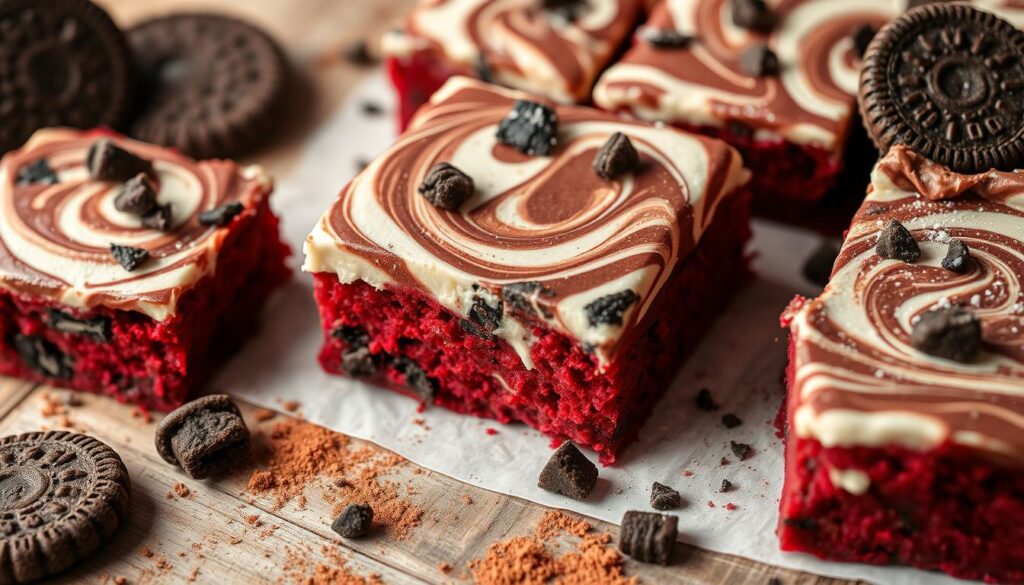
(529, 560)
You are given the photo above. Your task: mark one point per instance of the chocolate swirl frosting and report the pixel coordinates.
(810, 101)
(521, 44)
(55, 238)
(549, 223)
(860, 380)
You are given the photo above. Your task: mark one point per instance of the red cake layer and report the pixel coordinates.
(152, 363)
(948, 509)
(565, 396)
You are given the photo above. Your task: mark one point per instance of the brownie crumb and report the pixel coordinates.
(617, 157)
(609, 309)
(958, 257)
(759, 61)
(447, 187)
(743, 451)
(569, 473)
(731, 421)
(530, 128)
(895, 242)
(128, 257)
(704, 400)
(354, 521)
(648, 536)
(726, 486)
(952, 333)
(664, 497)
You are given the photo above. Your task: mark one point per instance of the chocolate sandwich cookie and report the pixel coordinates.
(214, 83)
(948, 81)
(62, 63)
(203, 437)
(61, 496)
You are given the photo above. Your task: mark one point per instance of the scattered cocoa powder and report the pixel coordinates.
(300, 568)
(295, 454)
(253, 521)
(182, 490)
(528, 560)
(146, 552)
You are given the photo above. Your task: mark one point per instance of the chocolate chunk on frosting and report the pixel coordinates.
(446, 187)
(107, 161)
(530, 127)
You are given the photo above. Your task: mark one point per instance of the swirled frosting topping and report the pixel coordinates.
(810, 101)
(546, 230)
(859, 379)
(521, 44)
(55, 237)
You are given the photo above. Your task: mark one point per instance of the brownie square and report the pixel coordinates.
(96, 296)
(552, 48)
(552, 296)
(779, 86)
(905, 413)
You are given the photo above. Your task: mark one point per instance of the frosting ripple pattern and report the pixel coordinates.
(55, 238)
(546, 227)
(860, 380)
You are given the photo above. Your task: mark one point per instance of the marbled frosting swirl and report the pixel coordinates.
(811, 100)
(858, 378)
(524, 46)
(545, 220)
(55, 239)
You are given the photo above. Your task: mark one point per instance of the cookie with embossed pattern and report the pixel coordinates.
(62, 495)
(62, 63)
(948, 81)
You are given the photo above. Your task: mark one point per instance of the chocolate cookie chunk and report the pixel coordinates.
(610, 309)
(446, 187)
(759, 61)
(128, 257)
(43, 357)
(648, 536)
(214, 83)
(354, 521)
(569, 473)
(953, 334)
(107, 161)
(138, 196)
(204, 436)
(948, 81)
(895, 242)
(664, 497)
(958, 257)
(62, 495)
(62, 63)
(664, 38)
(221, 216)
(617, 157)
(97, 328)
(37, 173)
(531, 128)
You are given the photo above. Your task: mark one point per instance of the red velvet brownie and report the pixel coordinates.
(552, 48)
(777, 80)
(560, 290)
(906, 381)
(127, 269)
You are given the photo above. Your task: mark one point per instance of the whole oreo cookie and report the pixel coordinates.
(61, 495)
(948, 81)
(62, 63)
(214, 83)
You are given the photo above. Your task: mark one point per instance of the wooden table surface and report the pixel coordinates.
(204, 538)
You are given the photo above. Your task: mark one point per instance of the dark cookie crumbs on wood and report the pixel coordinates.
(203, 437)
(664, 497)
(731, 421)
(530, 128)
(128, 257)
(895, 242)
(665, 38)
(861, 37)
(705, 401)
(818, 267)
(37, 173)
(569, 473)
(417, 380)
(63, 495)
(726, 486)
(221, 216)
(958, 257)
(609, 309)
(354, 521)
(43, 357)
(759, 61)
(138, 196)
(107, 161)
(97, 328)
(948, 81)
(447, 187)
(617, 157)
(742, 451)
(648, 536)
(753, 15)
(952, 333)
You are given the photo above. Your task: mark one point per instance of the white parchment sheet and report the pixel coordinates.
(741, 361)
